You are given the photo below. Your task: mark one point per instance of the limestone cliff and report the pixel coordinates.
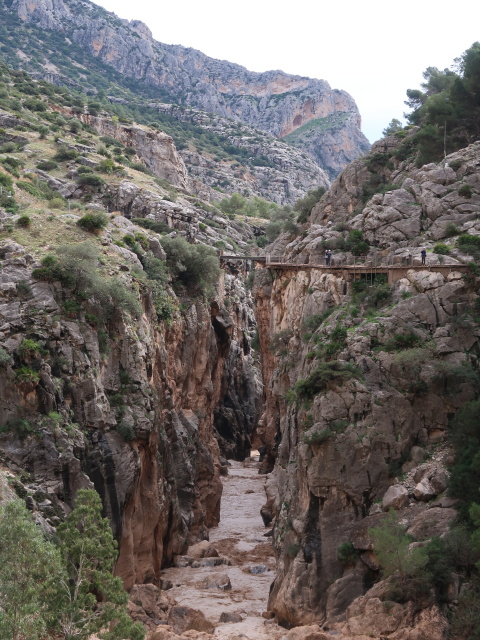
(350, 404)
(272, 101)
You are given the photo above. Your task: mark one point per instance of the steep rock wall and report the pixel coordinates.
(334, 449)
(128, 411)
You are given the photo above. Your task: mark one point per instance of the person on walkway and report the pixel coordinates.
(423, 253)
(328, 257)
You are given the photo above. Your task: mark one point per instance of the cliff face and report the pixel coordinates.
(355, 419)
(130, 412)
(272, 101)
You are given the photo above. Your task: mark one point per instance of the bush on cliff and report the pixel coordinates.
(397, 560)
(77, 268)
(325, 372)
(305, 205)
(195, 267)
(93, 222)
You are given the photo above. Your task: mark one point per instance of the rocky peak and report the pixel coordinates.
(272, 101)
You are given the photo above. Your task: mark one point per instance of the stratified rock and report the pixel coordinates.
(272, 101)
(155, 148)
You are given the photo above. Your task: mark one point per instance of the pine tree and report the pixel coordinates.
(30, 569)
(93, 599)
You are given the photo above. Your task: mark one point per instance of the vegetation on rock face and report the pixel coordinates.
(194, 267)
(332, 372)
(305, 205)
(77, 268)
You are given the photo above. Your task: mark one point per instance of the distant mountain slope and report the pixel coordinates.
(272, 101)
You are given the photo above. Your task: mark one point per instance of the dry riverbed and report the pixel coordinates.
(240, 539)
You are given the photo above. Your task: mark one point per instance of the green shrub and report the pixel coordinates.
(317, 437)
(106, 166)
(126, 431)
(21, 427)
(451, 230)
(47, 165)
(465, 239)
(93, 222)
(195, 268)
(64, 154)
(333, 371)
(441, 248)
(139, 166)
(465, 191)
(26, 375)
(4, 357)
(305, 205)
(118, 298)
(347, 554)
(313, 322)
(82, 169)
(152, 225)
(402, 341)
(30, 188)
(28, 348)
(57, 203)
(397, 559)
(24, 221)
(90, 180)
(354, 243)
(76, 267)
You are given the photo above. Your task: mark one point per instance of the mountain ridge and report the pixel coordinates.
(272, 101)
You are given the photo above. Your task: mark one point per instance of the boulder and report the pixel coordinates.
(424, 490)
(182, 619)
(216, 581)
(202, 549)
(435, 521)
(310, 632)
(229, 616)
(258, 569)
(396, 497)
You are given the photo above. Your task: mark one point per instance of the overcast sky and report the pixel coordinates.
(373, 49)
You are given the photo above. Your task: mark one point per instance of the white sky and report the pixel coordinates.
(373, 49)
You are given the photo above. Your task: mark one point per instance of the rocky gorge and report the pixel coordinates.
(133, 365)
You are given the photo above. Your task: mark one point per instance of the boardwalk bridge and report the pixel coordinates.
(348, 272)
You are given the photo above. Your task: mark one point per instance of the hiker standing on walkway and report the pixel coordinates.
(328, 257)
(423, 253)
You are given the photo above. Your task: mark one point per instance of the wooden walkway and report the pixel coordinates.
(351, 272)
